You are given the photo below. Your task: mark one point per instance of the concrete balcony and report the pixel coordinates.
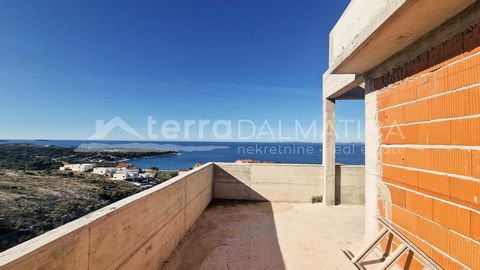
(240, 216)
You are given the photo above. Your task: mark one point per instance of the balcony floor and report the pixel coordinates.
(262, 235)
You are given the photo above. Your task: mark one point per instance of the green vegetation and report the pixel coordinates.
(165, 175)
(33, 157)
(36, 197)
(35, 202)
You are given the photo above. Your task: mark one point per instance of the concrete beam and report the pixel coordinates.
(358, 21)
(328, 153)
(343, 86)
(433, 39)
(370, 32)
(357, 93)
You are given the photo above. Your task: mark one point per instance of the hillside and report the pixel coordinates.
(36, 197)
(35, 202)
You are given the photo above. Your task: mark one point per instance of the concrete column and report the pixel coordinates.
(372, 165)
(328, 158)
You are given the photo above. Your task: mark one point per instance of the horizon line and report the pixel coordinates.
(122, 140)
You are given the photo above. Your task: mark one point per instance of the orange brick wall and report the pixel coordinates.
(429, 119)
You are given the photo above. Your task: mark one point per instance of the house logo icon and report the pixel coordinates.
(102, 130)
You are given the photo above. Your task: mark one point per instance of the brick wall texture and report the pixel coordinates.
(429, 118)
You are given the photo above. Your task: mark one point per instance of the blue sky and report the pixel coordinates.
(66, 64)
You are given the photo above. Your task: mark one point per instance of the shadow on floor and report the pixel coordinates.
(231, 235)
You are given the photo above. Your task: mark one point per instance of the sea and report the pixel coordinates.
(193, 152)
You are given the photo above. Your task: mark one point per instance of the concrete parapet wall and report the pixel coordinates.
(350, 184)
(284, 182)
(141, 231)
(267, 182)
(138, 232)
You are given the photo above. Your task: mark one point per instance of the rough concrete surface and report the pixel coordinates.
(328, 154)
(286, 182)
(370, 32)
(138, 232)
(262, 235)
(267, 182)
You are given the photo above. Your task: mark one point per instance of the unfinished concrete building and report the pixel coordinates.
(414, 205)
(417, 66)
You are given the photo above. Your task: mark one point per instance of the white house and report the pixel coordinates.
(125, 175)
(71, 167)
(133, 174)
(147, 175)
(78, 167)
(105, 170)
(120, 175)
(86, 167)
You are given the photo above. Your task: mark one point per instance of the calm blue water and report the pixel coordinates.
(309, 153)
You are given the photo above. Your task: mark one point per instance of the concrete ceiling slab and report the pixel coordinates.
(412, 20)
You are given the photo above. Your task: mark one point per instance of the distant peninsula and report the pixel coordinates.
(26, 156)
